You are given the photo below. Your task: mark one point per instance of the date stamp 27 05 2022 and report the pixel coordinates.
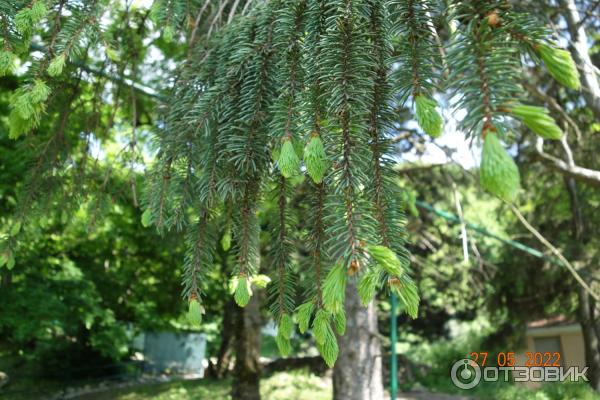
(479, 366)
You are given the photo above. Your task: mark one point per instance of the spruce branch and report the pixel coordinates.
(198, 257)
(379, 99)
(282, 290)
(246, 232)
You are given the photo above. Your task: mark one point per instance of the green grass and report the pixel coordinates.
(549, 391)
(296, 385)
(180, 390)
(282, 386)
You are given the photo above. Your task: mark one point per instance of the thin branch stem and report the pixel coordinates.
(554, 251)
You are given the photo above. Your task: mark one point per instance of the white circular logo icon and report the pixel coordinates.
(465, 374)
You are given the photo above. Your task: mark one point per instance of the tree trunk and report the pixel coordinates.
(590, 337)
(589, 81)
(6, 280)
(246, 378)
(225, 353)
(587, 306)
(357, 371)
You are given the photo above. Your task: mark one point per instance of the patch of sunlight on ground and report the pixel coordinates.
(296, 385)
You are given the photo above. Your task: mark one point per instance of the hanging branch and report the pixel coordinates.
(285, 121)
(290, 22)
(198, 256)
(347, 145)
(388, 254)
(315, 108)
(380, 99)
(248, 155)
(483, 57)
(282, 291)
(316, 161)
(345, 54)
(418, 49)
(419, 58)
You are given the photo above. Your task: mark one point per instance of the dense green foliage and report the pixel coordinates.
(76, 287)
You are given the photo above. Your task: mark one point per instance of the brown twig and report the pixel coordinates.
(554, 251)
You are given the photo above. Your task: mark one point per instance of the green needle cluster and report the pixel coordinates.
(560, 65)
(538, 120)
(498, 174)
(428, 117)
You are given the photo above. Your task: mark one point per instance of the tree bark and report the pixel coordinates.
(357, 372)
(591, 341)
(246, 378)
(586, 305)
(581, 55)
(225, 353)
(588, 176)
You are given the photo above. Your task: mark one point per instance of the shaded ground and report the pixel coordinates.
(280, 386)
(421, 395)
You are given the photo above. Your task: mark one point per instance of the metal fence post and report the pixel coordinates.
(393, 340)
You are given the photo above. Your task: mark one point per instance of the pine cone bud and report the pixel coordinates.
(286, 325)
(315, 158)
(354, 267)
(386, 259)
(427, 116)
(242, 292)
(56, 65)
(394, 282)
(7, 61)
(538, 120)
(289, 163)
(498, 174)
(493, 19)
(194, 314)
(560, 65)
(226, 239)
